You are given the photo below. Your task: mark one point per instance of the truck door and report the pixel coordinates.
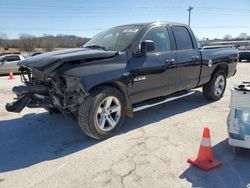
(153, 73)
(188, 59)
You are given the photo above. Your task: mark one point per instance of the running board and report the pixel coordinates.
(164, 100)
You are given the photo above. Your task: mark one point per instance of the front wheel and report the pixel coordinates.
(102, 112)
(215, 88)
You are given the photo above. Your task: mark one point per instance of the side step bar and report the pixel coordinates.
(145, 105)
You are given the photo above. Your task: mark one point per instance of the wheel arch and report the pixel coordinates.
(208, 88)
(223, 67)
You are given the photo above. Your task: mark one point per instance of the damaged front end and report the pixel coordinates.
(54, 93)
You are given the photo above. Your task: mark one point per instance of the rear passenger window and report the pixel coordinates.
(182, 38)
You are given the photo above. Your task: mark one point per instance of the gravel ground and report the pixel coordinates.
(39, 150)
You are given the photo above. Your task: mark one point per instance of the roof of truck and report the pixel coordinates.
(156, 22)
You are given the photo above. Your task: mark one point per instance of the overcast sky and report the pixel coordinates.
(212, 19)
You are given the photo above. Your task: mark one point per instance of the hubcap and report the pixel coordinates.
(219, 85)
(108, 113)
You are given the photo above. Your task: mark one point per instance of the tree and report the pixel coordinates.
(47, 45)
(197, 38)
(28, 42)
(3, 40)
(243, 36)
(3, 36)
(79, 43)
(227, 37)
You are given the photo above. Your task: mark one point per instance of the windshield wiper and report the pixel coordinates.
(96, 47)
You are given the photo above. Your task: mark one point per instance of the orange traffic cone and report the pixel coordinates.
(11, 77)
(205, 159)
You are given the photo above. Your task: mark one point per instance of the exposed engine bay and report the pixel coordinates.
(55, 94)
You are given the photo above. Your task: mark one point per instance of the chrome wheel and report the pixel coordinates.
(219, 85)
(108, 114)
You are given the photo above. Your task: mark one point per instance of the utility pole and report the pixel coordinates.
(189, 14)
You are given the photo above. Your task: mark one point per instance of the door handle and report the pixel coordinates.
(196, 57)
(170, 61)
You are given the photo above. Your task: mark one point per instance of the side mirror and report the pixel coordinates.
(147, 46)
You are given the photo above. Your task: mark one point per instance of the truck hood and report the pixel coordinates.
(48, 62)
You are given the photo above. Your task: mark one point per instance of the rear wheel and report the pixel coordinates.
(215, 88)
(102, 112)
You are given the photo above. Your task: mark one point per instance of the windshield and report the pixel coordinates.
(114, 39)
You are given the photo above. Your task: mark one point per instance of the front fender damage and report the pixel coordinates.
(67, 94)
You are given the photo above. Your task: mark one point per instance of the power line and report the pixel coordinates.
(70, 7)
(98, 29)
(102, 14)
(221, 27)
(49, 29)
(229, 9)
(19, 7)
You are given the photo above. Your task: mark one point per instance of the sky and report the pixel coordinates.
(209, 19)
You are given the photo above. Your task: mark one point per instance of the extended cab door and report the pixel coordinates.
(153, 73)
(188, 59)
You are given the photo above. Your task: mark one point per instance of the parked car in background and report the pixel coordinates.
(8, 63)
(244, 53)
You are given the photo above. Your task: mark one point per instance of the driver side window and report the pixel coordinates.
(160, 37)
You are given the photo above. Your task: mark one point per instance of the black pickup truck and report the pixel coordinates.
(122, 70)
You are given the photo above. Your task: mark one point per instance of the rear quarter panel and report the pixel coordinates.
(219, 56)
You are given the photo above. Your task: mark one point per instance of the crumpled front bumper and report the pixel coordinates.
(30, 96)
(63, 95)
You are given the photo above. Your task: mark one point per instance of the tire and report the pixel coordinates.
(209, 89)
(94, 111)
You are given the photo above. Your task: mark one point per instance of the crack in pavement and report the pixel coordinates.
(127, 166)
